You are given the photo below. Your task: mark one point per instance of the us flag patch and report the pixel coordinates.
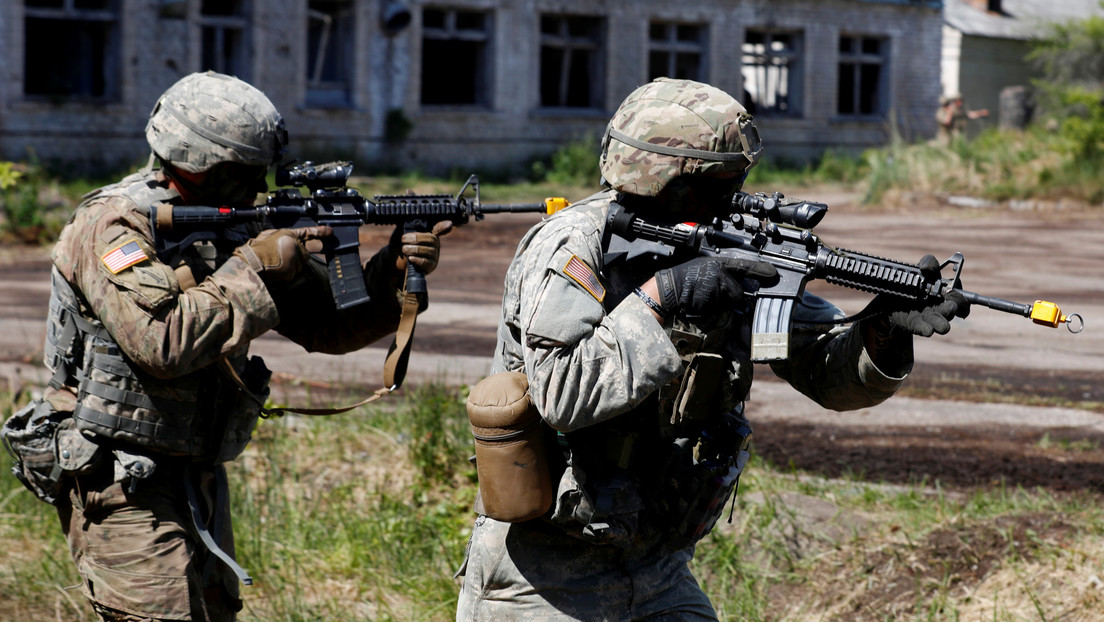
(124, 256)
(583, 275)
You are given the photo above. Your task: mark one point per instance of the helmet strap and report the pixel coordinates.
(681, 152)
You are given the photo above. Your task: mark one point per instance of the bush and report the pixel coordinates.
(26, 197)
(574, 164)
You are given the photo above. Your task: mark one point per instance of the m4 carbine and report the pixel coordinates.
(777, 231)
(331, 202)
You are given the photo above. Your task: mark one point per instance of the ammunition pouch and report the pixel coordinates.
(619, 489)
(602, 510)
(700, 388)
(44, 445)
(200, 414)
(510, 456)
(697, 481)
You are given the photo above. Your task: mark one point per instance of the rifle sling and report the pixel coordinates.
(394, 367)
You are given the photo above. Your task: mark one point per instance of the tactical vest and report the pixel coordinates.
(203, 414)
(666, 469)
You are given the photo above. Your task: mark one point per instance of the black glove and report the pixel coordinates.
(707, 286)
(922, 318)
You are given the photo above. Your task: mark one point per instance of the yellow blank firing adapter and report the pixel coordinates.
(1048, 314)
(555, 204)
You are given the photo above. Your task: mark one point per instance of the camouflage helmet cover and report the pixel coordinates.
(668, 128)
(209, 118)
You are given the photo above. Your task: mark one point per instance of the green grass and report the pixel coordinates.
(999, 165)
(365, 516)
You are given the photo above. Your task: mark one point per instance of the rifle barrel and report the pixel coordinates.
(506, 208)
(549, 206)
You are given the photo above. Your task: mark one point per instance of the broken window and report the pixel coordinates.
(862, 79)
(455, 57)
(676, 51)
(330, 29)
(71, 49)
(225, 30)
(771, 68)
(571, 70)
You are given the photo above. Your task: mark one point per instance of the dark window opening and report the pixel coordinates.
(571, 70)
(71, 49)
(330, 52)
(225, 32)
(676, 51)
(66, 58)
(455, 57)
(862, 80)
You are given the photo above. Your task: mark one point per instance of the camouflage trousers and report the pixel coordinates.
(138, 554)
(532, 571)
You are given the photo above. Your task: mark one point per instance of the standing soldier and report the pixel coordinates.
(638, 367)
(952, 117)
(152, 382)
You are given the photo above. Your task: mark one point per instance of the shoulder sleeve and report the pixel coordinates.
(106, 253)
(828, 362)
(584, 365)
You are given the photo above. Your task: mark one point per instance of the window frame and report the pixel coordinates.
(240, 60)
(595, 62)
(331, 93)
(794, 73)
(672, 46)
(109, 69)
(855, 61)
(482, 74)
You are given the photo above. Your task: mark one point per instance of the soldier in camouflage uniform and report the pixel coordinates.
(143, 351)
(639, 366)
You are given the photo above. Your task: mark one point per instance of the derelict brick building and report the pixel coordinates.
(462, 84)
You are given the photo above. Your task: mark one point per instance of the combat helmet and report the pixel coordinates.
(670, 128)
(209, 118)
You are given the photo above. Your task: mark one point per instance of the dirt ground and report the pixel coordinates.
(997, 400)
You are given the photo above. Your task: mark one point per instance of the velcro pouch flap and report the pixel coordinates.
(698, 394)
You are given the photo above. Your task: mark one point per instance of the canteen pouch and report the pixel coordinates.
(44, 444)
(510, 456)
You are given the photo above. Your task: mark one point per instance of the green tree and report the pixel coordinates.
(1072, 59)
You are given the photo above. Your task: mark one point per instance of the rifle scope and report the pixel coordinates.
(802, 214)
(327, 175)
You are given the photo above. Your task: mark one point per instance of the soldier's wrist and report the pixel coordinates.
(651, 303)
(668, 292)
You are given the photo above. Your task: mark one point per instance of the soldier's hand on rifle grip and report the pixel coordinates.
(422, 249)
(278, 255)
(706, 287)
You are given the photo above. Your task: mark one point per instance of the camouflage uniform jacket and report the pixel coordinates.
(599, 365)
(174, 335)
(592, 353)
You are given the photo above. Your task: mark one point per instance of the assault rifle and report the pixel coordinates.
(329, 201)
(778, 231)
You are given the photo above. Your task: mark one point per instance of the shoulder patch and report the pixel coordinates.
(124, 256)
(583, 275)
